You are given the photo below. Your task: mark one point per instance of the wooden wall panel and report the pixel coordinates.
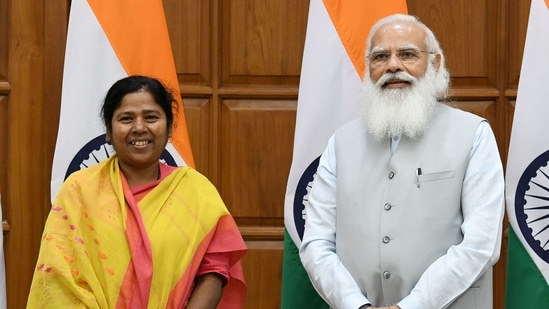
(5, 89)
(262, 41)
(4, 97)
(263, 280)
(256, 138)
(199, 117)
(191, 31)
(35, 43)
(25, 125)
(511, 107)
(190, 27)
(467, 32)
(516, 36)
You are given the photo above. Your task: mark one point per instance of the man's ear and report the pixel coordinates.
(438, 59)
(108, 137)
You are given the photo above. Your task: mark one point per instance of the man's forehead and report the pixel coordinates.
(398, 35)
(378, 48)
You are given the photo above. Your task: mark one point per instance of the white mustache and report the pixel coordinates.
(403, 76)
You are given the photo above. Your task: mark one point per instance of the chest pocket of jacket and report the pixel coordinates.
(436, 176)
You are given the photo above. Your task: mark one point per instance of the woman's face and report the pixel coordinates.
(139, 131)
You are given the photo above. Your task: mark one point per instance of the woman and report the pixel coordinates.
(131, 232)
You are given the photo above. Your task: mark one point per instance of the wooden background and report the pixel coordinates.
(238, 63)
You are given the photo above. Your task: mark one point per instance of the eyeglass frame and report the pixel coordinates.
(398, 53)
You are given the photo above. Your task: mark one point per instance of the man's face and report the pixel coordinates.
(398, 47)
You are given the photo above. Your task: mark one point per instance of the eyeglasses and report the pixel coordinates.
(407, 56)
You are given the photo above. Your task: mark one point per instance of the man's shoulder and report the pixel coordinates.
(451, 115)
(352, 124)
(351, 132)
(453, 110)
(452, 119)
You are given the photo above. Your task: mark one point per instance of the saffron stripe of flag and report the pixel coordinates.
(107, 41)
(527, 177)
(329, 92)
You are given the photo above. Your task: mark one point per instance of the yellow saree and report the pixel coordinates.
(100, 249)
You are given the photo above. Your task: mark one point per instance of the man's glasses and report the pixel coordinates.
(407, 56)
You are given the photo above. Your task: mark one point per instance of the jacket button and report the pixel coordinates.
(386, 239)
(387, 206)
(386, 275)
(391, 175)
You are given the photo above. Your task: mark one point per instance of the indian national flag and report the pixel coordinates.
(108, 40)
(331, 76)
(527, 178)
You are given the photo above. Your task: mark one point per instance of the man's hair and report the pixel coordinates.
(433, 47)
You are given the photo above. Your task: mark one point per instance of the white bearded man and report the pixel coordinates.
(406, 209)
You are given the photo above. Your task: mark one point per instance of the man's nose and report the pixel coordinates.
(393, 63)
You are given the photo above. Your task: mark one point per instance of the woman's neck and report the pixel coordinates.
(138, 177)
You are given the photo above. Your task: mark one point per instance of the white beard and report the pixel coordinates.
(407, 111)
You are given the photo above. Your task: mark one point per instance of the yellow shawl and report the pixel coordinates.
(85, 253)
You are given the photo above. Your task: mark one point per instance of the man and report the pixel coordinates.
(406, 208)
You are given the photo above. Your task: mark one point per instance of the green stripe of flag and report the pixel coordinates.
(297, 290)
(526, 287)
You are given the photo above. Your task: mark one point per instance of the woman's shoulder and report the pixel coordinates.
(191, 174)
(87, 172)
(190, 178)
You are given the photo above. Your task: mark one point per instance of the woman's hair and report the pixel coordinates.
(161, 94)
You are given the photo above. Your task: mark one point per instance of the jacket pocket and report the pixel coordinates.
(436, 176)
